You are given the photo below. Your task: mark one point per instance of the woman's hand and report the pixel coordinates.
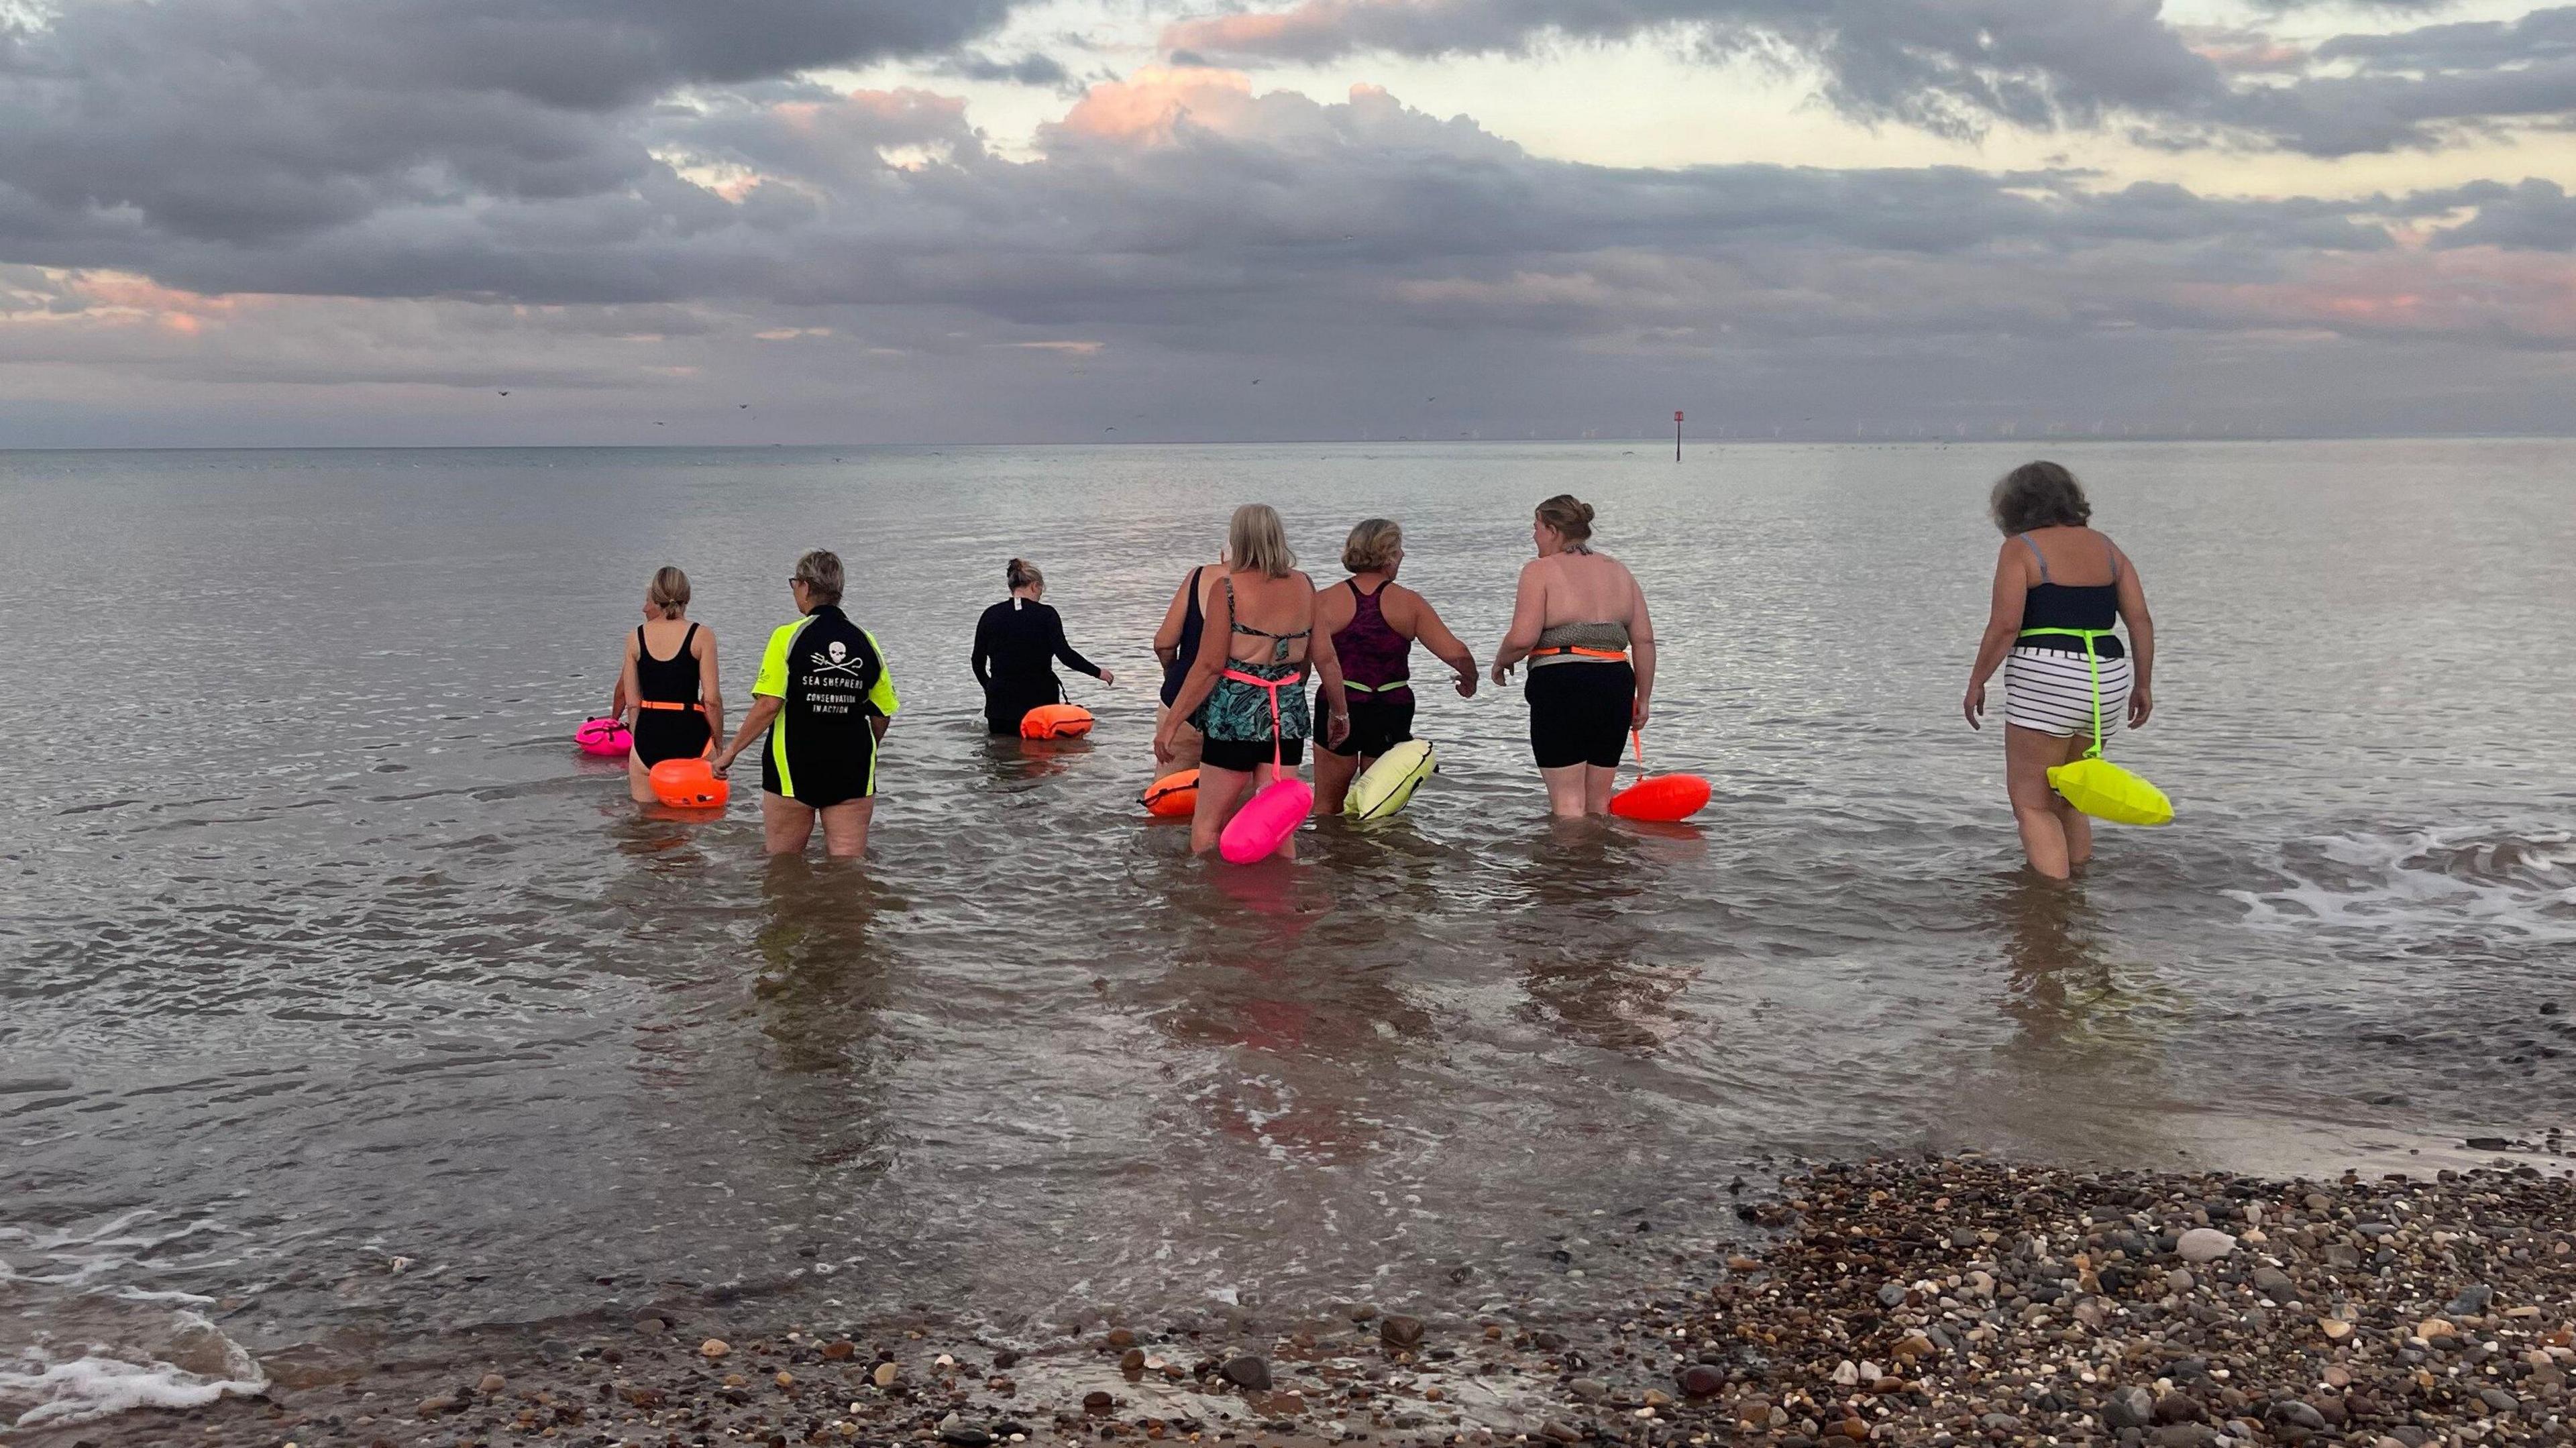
(1166, 741)
(1637, 713)
(1466, 683)
(719, 762)
(1109, 677)
(2142, 702)
(1974, 706)
(1337, 727)
(1502, 673)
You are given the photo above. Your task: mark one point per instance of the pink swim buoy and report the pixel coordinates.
(1263, 825)
(605, 738)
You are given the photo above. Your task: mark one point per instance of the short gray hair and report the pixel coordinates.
(820, 572)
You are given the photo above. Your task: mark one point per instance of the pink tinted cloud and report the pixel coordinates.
(2525, 298)
(1146, 106)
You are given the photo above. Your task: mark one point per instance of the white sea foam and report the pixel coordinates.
(2518, 887)
(193, 1365)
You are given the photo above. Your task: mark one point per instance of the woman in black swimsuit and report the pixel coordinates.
(1017, 643)
(667, 685)
(1176, 646)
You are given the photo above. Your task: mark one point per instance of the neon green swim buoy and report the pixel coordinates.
(2094, 784)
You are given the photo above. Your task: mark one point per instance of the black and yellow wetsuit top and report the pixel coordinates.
(830, 678)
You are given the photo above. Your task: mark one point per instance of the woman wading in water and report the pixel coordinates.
(2059, 587)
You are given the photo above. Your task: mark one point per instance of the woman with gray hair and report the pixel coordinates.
(2059, 587)
(824, 699)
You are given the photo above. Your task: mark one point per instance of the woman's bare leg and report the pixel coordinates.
(1333, 776)
(2028, 756)
(1598, 785)
(845, 828)
(1219, 789)
(639, 783)
(1568, 788)
(785, 825)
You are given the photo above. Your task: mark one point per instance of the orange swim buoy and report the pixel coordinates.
(1055, 721)
(1661, 797)
(1172, 797)
(689, 784)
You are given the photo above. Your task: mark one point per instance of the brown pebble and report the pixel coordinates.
(1400, 1331)
(1098, 1403)
(1744, 1264)
(841, 1351)
(885, 1374)
(1701, 1381)
(1133, 1361)
(1121, 1337)
(714, 1347)
(785, 1380)
(491, 1383)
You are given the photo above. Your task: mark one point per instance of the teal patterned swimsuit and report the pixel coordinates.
(1238, 712)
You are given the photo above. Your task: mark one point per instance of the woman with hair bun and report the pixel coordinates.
(1016, 645)
(1581, 622)
(2059, 587)
(668, 681)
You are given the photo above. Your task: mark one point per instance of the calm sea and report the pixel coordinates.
(320, 946)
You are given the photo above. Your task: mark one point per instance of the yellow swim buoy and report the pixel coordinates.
(2094, 784)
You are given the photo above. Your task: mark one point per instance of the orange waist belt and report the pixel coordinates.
(1580, 652)
(659, 704)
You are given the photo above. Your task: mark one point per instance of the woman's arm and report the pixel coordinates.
(1328, 674)
(1529, 620)
(1421, 623)
(2003, 625)
(1205, 670)
(2142, 641)
(1167, 639)
(764, 707)
(1063, 649)
(1641, 649)
(627, 691)
(981, 660)
(710, 683)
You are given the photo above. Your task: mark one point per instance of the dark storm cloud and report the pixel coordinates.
(250, 120)
(1955, 66)
(1033, 69)
(891, 198)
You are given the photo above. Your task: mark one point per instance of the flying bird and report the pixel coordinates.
(505, 394)
(742, 404)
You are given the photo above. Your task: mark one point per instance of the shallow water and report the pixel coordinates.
(320, 947)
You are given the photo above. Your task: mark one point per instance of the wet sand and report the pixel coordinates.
(1939, 1301)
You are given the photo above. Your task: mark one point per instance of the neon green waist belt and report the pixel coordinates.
(1357, 688)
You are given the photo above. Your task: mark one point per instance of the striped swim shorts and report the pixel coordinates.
(2051, 690)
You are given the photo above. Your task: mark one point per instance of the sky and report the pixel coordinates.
(433, 222)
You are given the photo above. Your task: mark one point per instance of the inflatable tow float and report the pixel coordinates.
(603, 738)
(1055, 721)
(1664, 798)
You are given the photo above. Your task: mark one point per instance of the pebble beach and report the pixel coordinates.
(1940, 1301)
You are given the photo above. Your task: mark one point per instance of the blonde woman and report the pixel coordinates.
(667, 684)
(1245, 692)
(1580, 619)
(1375, 622)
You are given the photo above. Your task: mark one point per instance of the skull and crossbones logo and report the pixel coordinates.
(837, 659)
